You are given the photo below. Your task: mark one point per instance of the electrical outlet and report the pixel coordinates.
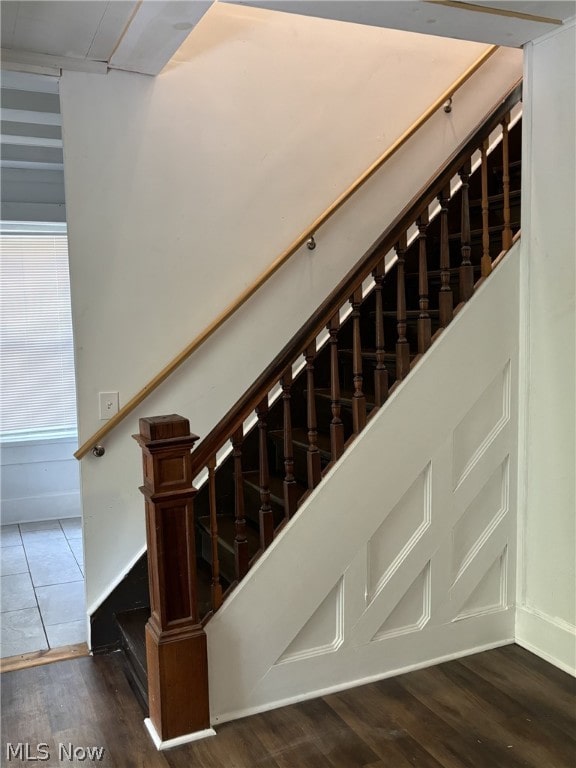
(108, 403)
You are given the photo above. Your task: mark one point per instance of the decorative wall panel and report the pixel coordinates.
(413, 610)
(322, 633)
(399, 533)
(405, 552)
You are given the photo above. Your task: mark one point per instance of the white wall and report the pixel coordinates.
(547, 594)
(39, 480)
(407, 552)
(183, 188)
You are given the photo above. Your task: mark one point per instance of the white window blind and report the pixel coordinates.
(37, 389)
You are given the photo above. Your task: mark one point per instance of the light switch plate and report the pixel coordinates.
(108, 404)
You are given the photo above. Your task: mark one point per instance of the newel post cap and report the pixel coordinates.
(165, 430)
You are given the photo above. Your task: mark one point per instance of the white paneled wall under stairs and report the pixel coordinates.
(404, 556)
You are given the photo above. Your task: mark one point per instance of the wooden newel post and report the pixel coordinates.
(175, 640)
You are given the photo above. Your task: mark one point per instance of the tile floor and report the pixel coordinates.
(42, 586)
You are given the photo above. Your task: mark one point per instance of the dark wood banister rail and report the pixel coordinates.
(232, 308)
(236, 416)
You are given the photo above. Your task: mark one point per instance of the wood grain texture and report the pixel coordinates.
(38, 658)
(176, 661)
(498, 709)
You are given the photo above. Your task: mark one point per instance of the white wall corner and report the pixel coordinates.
(523, 391)
(552, 639)
(546, 583)
(569, 24)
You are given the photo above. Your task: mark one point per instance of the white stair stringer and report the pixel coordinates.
(433, 474)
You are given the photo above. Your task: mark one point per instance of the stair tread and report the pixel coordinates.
(389, 357)
(496, 198)
(346, 397)
(276, 485)
(227, 532)
(411, 314)
(300, 440)
(434, 274)
(496, 229)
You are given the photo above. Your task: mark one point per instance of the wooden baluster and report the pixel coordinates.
(313, 455)
(380, 372)
(216, 587)
(240, 540)
(336, 425)
(507, 231)
(402, 346)
(358, 398)
(176, 653)
(266, 517)
(486, 261)
(424, 322)
(466, 268)
(290, 485)
(445, 299)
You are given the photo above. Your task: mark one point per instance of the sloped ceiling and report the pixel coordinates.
(45, 36)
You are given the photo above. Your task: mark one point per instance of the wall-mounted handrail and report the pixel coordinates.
(238, 413)
(234, 306)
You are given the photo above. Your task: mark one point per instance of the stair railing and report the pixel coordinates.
(306, 237)
(349, 288)
(170, 468)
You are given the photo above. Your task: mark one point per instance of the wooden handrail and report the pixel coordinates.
(236, 416)
(234, 306)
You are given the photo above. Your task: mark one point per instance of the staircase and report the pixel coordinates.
(254, 471)
(271, 490)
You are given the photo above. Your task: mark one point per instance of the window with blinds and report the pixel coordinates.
(37, 388)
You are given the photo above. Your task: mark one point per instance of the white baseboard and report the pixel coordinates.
(551, 639)
(47, 506)
(177, 742)
(249, 711)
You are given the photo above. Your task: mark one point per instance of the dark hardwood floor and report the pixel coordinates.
(502, 708)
